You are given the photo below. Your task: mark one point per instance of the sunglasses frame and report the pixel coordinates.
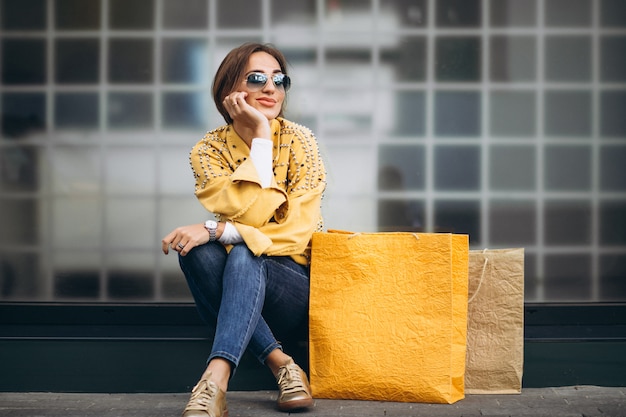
(280, 80)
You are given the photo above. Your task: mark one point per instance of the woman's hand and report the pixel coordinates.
(184, 238)
(249, 123)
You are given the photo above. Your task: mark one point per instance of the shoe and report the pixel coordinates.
(207, 400)
(293, 386)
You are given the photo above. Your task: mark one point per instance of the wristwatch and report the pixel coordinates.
(211, 227)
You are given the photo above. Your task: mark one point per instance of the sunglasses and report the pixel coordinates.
(257, 80)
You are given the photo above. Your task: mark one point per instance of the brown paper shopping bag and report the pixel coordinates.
(388, 316)
(495, 335)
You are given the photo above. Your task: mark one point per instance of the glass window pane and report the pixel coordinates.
(131, 61)
(76, 110)
(184, 61)
(185, 110)
(77, 61)
(24, 14)
(77, 277)
(513, 13)
(531, 283)
(348, 111)
(512, 223)
(458, 58)
(400, 215)
(401, 167)
(23, 61)
(130, 276)
(459, 217)
(406, 13)
(75, 170)
(20, 274)
(77, 14)
(613, 13)
(513, 113)
(130, 110)
(131, 14)
(185, 14)
(571, 13)
(235, 14)
(405, 60)
(567, 168)
(457, 113)
(19, 168)
(120, 162)
(568, 58)
(512, 168)
(568, 113)
(567, 277)
(612, 110)
(457, 168)
(124, 217)
(613, 58)
(348, 67)
(19, 222)
(406, 113)
(513, 58)
(613, 223)
(567, 223)
(458, 13)
(293, 14)
(173, 288)
(613, 168)
(23, 114)
(612, 273)
(77, 222)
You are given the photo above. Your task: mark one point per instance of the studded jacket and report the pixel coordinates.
(278, 220)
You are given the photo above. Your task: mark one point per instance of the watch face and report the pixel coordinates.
(211, 224)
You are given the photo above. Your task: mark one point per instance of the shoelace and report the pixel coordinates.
(289, 379)
(202, 397)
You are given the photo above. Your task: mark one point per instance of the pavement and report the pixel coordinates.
(575, 401)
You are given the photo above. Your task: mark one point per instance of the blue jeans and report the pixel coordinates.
(241, 296)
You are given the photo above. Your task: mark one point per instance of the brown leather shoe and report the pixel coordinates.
(207, 400)
(293, 386)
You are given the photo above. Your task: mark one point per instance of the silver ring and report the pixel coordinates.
(180, 246)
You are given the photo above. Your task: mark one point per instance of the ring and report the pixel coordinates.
(180, 246)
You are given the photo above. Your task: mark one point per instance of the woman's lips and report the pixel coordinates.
(268, 102)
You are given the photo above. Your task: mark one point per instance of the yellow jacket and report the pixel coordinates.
(278, 220)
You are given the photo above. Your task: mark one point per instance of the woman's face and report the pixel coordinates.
(269, 98)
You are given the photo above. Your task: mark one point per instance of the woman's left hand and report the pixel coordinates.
(185, 238)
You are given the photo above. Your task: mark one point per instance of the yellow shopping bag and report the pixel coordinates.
(388, 316)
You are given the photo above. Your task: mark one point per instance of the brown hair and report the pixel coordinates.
(231, 70)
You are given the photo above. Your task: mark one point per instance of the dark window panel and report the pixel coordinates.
(130, 110)
(568, 58)
(19, 170)
(567, 168)
(512, 168)
(613, 13)
(23, 61)
(77, 284)
(20, 276)
(23, 14)
(400, 215)
(407, 58)
(520, 13)
(613, 223)
(459, 217)
(513, 58)
(184, 61)
(513, 113)
(131, 61)
(613, 168)
(458, 59)
(457, 113)
(568, 113)
(77, 61)
(567, 277)
(531, 283)
(457, 168)
(23, 114)
(401, 167)
(184, 110)
(568, 13)
(410, 13)
(512, 223)
(238, 14)
(76, 110)
(77, 14)
(19, 223)
(612, 277)
(131, 14)
(458, 13)
(567, 223)
(185, 14)
(613, 59)
(612, 111)
(130, 285)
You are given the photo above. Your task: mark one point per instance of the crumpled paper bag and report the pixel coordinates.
(388, 316)
(495, 335)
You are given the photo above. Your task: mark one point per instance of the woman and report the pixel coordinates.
(262, 177)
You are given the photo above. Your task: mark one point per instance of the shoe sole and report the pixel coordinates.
(295, 405)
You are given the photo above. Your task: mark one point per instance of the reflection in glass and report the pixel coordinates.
(612, 120)
(77, 14)
(613, 168)
(459, 217)
(22, 114)
(23, 61)
(401, 167)
(458, 59)
(131, 61)
(567, 277)
(131, 14)
(400, 215)
(512, 223)
(513, 13)
(185, 14)
(457, 113)
(19, 169)
(513, 58)
(184, 61)
(567, 222)
(567, 168)
(613, 59)
(77, 61)
(512, 113)
(568, 58)
(130, 110)
(512, 167)
(568, 113)
(76, 110)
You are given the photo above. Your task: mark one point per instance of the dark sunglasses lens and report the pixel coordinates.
(282, 80)
(257, 80)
